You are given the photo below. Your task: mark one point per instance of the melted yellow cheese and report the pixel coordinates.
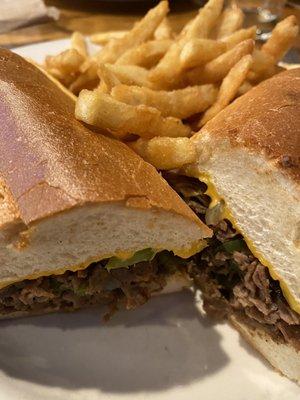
(226, 214)
(190, 251)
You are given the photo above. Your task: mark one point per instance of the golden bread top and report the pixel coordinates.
(266, 120)
(50, 162)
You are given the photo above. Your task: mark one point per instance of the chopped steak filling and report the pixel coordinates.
(231, 279)
(95, 285)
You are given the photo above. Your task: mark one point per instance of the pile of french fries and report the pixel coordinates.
(153, 88)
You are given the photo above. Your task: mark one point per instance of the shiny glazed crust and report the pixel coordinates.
(51, 163)
(266, 121)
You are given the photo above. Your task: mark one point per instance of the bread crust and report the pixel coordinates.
(50, 162)
(266, 120)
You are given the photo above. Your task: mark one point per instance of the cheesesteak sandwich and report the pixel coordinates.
(248, 193)
(84, 221)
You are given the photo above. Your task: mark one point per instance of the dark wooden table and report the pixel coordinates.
(91, 16)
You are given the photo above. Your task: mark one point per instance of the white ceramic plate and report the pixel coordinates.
(163, 351)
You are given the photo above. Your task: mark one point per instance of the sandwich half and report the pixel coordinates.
(83, 220)
(245, 186)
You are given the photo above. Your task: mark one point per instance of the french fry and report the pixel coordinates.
(146, 54)
(204, 22)
(200, 51)
(229, 88)
(263, 63)
(231, 20)
(282, 38)
(101, 110)
(239, 36)
(129, 74)
(244, 88)
(264, 66)
(169, 68)
(179, 103)
(217, 69)
(140, 147)
(104, 37)
(78, 43)
(147, 80)
(58, 75)
(89, 63)
(67, 62)
(107, 78)
(166, 153)
(142, 31)
(86, 80)
(164, 30)
(102, 87)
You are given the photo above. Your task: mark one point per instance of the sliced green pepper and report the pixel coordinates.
(234, 245)
(139, 256)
